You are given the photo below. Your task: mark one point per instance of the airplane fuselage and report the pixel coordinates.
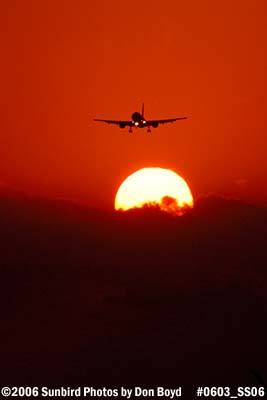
(138, 120)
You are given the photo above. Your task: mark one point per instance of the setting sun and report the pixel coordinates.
(154, 186)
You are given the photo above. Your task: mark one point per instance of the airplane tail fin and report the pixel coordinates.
(143, 110)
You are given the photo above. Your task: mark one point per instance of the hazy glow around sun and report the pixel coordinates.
(152, 185)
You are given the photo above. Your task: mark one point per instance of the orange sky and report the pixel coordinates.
(65, 62)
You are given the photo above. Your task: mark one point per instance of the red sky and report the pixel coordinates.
(65, 62)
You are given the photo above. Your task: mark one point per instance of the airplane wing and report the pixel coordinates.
(163, 121)
(110, 121)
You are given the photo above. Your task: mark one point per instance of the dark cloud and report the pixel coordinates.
(137, 298)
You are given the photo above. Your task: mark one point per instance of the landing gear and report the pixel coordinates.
(130, 130)
(148, 130)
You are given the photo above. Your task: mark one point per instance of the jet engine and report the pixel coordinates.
(155, 124)
(122, 125)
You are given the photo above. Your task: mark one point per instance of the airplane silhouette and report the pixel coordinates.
(138, 121)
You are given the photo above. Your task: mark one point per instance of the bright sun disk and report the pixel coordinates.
(154, 186)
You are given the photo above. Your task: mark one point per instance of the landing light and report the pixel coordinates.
(144, 121)
(136, 123)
